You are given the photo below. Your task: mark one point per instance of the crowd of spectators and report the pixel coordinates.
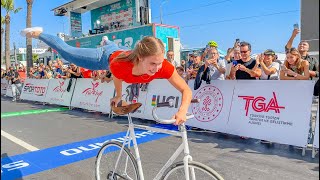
(204, 65)
(239, 63)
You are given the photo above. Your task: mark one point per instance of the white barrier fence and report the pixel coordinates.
(58, 92)
(316, 133)
(4, 86)
(276, 111)
(92, 95)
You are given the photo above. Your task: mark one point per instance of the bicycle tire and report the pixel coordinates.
(211, 174)
(112, 148)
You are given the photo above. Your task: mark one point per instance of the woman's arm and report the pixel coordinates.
(118, 86)
(268, 71)
(180, 84)
(306, 74)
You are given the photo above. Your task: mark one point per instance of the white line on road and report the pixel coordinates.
(18, 141)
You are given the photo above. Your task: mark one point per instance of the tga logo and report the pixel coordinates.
(37, 90)
(210, 105)
(259, 104)
(59, 88)
(156, 99)
(93, 91)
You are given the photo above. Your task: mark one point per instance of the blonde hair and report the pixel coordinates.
(295, 52)
(148, 46)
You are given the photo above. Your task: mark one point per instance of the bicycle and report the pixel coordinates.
(122, 164)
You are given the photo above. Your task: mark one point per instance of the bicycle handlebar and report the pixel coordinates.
(170, 105)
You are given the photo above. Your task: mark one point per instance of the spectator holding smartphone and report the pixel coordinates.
(303, 49)
(216, 65)
(269, 68)
(294, 68)
(247, 67)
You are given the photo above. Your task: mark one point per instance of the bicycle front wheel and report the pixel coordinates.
(199, 170)
(115, 163)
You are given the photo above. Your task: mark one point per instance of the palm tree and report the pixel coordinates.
(29, 40)
(8, 6)
(2, 31)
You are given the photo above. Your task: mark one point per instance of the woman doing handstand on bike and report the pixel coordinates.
(140, 65)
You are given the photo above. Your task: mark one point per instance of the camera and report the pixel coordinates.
(296, 26)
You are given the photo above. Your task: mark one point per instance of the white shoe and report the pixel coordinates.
(27, 30)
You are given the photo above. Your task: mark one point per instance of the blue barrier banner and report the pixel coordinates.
(29, 163)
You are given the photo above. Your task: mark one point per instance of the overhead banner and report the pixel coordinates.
(4, 86)
(58, 91)
(35, 89)
(316, 133)
(92, 95)
(269, 109)
(213, 110)
(75, 24)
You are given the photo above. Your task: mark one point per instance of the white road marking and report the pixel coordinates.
(18, 141)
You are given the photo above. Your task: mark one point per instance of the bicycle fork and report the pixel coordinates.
(135, 146)
(187, 157)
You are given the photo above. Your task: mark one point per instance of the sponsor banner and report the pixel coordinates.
(35, 89)
(132, 93)
(58, 92)
(92, 95)
(160, 90)
(4, 86)
(16, 167)
(9, 91)
(213, 110)
(276, 111)
(316, 133)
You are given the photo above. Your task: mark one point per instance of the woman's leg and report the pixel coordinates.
(90, 58)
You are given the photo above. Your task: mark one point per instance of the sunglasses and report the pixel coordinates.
(243, 52)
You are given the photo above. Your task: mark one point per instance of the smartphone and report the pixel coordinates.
(234, 63)
(296, 26)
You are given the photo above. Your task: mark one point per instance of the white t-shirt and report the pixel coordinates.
(215, 73)
(274, 76)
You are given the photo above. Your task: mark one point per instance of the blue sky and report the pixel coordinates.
(263, 23)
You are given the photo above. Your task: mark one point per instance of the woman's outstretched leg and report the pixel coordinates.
(90, 58)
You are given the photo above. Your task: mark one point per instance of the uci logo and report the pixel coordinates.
(156, 99)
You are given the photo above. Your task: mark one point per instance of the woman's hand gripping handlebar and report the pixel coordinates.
(170, 105)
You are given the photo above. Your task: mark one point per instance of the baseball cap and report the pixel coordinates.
(269, 52)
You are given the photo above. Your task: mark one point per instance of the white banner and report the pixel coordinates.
(58, 93)
(316, 133)
(35, 89)
(92, 95)
(9, 91)
(277, 111)
(160, 90)
(213, 111)
(137, 95)
(4, 85)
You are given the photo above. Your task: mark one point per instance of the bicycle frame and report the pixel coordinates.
(184, 147)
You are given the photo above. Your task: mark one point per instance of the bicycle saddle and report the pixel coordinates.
(124, 108)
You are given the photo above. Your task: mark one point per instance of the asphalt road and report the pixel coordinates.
(232, 157)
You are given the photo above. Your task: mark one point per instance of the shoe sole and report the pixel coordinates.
(27, 30)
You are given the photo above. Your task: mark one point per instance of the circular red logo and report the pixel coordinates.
(210, 105)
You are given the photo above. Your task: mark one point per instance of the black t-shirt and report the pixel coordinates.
(74, 76)
(250, 65)
(14, 74)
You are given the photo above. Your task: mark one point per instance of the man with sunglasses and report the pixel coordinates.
(303, 49)
(247, 67)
